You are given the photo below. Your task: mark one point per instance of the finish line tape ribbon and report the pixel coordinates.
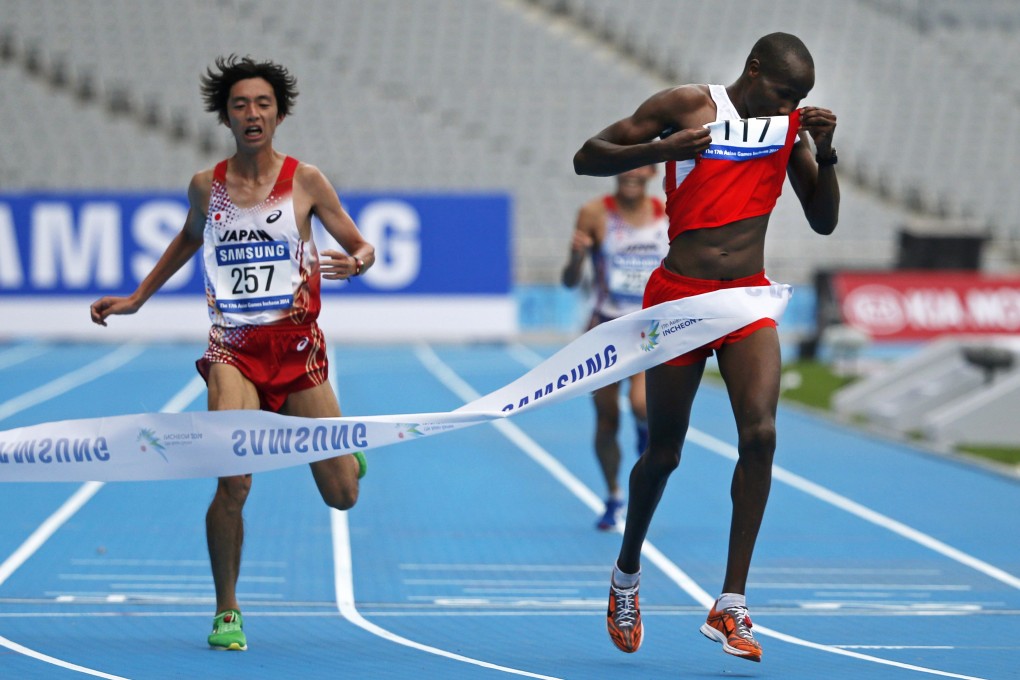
(156, 446)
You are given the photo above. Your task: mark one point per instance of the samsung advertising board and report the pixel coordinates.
(442, 268)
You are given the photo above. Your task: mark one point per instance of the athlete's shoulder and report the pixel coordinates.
(310, 177)
(307, 172)
(690, 95)
(596, 208)
(200, 187)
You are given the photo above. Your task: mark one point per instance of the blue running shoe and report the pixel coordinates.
(612, 517)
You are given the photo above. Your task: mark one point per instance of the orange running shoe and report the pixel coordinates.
(732, 627)
(624, 618)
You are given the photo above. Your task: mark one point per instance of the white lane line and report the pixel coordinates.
(458, 386)
(14, 646)
(531, 359)
(344, 574)
(69, 381)
(505, 567)
(85, 492)
(21, 354)
(183, 399)
(344, 582)
(43, 532)
(867, 514)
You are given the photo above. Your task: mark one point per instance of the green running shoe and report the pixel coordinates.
(226, 632)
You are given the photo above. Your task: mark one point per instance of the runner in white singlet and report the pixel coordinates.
(252, 213)
(625, 236)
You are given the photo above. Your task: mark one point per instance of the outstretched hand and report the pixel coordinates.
(820, 124)
(109, 305)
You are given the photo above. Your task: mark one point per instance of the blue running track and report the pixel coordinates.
(474, 554)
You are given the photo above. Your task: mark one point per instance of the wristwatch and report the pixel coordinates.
(831, 160)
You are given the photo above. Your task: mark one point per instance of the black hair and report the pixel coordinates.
(775, 50)
(232, 69)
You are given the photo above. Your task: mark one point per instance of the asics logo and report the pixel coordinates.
(273, 216)
(302, 344)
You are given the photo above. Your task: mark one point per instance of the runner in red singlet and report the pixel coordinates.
(252, 215)
(727, 151)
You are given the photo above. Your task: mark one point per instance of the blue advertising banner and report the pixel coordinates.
(443, 267)
(94, 244)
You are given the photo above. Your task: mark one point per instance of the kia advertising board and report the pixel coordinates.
(920, 305)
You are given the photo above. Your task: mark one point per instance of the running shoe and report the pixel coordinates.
(226, 632)
(624, 618)
(612, 517)
(732, 627)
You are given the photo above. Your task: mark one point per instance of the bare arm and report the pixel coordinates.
(588, 234)
(177, 254)
(631, 142)
(816, 185)
(325, 204)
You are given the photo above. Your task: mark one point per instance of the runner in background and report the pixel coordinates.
(727, 152)
(625, 236)
(252, 217)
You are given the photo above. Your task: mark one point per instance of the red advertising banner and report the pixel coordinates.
(919, 305)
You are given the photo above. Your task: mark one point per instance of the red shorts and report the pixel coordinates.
(664, 286)
(279, 359)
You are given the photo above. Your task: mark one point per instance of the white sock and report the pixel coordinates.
(622, 579)
(727, 600)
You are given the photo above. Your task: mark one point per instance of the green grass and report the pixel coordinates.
(998, 454)
(812, 383)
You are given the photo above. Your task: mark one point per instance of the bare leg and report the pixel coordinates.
(751, 369)
(224, 523)
(607, 423)
(337, 478)
(224, 530)
(670, 391)
(639, 409)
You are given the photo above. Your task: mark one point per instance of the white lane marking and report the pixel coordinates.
(69, 381)
(43, 532)
(85, 492)
(854, 508)
(202, 564)
(14, 646)
(505, 567)
(859, 586)
(21, 354)
(458, 386)
(531, 359)
(184, 397)
(344, 574)
(496, 583)
(162, 577)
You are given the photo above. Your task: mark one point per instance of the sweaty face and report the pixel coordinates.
(252, 112)
(778, 91)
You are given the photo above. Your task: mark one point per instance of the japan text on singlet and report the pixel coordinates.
(258, 271)
(739, 176)
(625, 259)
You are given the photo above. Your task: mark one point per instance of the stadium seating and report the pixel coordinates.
(480, 95)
